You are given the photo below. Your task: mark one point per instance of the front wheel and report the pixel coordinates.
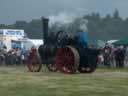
(34, 64)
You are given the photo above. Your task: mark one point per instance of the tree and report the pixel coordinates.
(2, 26)
(34, 29)
(20, 24)
(116, 14)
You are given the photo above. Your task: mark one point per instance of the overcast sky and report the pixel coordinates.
(12, 10)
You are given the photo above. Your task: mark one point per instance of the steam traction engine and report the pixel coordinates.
(63, 53)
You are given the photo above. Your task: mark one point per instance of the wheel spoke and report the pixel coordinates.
(34, 64)
(66, 60)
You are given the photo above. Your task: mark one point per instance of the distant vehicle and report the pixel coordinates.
(11, 37)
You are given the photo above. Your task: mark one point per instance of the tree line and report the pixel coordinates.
(98, 27)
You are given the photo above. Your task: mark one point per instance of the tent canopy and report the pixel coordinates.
(121, 42)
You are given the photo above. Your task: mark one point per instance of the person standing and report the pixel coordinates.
(126, 55)
(120, 56)
(18, 55)
(107, 55)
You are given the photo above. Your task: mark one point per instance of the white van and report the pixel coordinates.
(11, 37)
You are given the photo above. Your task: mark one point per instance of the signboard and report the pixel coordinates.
(14, 33)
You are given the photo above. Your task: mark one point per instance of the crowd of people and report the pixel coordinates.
(15, 56)
(114, 56)
(110, 56)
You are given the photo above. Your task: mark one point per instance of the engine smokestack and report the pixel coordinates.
(45, 29)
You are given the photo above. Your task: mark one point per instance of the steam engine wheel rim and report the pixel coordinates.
(67, 60)
(34, 64)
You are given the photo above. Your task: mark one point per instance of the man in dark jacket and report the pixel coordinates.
(119, 57)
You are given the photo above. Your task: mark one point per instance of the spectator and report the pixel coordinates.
(18, 55)
(11, 57)
(24, 55)
(126, 55)
(107, 55)
(119, 56)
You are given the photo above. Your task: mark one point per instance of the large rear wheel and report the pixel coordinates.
(67, 60)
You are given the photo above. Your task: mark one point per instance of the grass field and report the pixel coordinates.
(16, 81)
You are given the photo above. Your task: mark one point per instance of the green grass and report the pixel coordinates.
(17, 81)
